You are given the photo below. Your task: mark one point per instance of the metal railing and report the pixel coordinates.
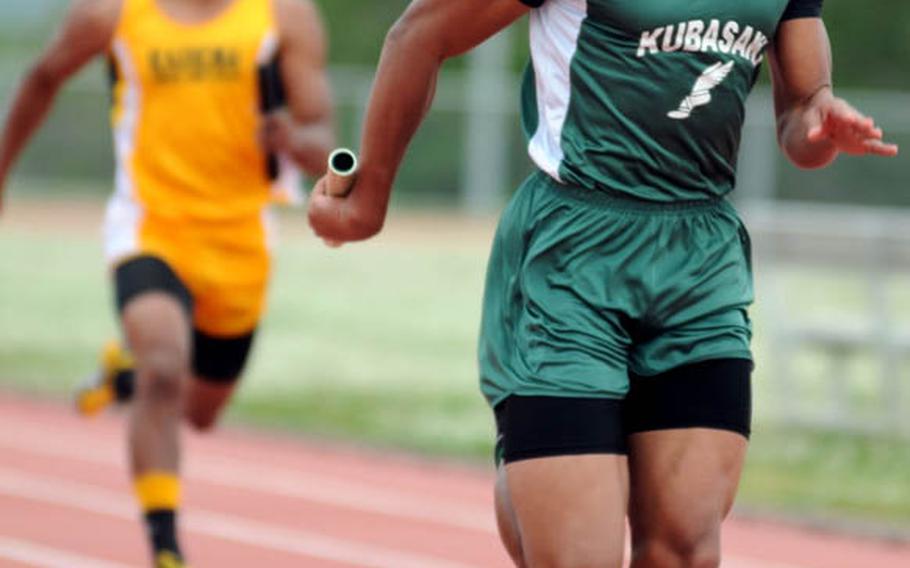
(870, 248)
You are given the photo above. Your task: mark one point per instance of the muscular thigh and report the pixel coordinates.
(683, 478)
(563, 490)
(154, 310)
(688, 437)
(570, 510)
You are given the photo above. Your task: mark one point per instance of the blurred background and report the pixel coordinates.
(375, 343)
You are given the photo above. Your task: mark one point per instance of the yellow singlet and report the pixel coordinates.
(191, 181)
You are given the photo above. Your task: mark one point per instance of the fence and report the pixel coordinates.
(859, 342)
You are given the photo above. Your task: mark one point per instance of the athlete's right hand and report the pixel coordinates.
(321, 208)
(336, 220)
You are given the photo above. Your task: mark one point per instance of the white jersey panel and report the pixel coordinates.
(555, 28)
(124, 213)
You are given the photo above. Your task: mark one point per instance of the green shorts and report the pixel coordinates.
(583, 288)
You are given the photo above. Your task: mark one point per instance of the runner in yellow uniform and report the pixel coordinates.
(203, 145)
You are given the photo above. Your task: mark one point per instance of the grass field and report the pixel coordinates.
(375, 343)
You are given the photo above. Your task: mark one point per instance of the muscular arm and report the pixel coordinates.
(813, 125)
(86, 32)
(304, 131)
(429, 32)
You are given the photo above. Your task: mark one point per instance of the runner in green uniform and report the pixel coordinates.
(615, 339)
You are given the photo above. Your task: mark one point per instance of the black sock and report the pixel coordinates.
(162, 530)
(124, 383)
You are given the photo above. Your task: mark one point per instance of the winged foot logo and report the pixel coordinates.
(701, 91)
(741, 42)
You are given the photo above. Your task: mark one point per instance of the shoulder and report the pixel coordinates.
(95, 17)
(297, 13)
(296, 9)
(298, 16)
(299, 22)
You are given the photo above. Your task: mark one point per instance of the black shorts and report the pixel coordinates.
(215, 359)
(714, 394)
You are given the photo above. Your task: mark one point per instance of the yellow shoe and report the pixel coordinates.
(168, 559)
(99, 391)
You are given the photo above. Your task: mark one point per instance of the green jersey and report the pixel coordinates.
(646, 98)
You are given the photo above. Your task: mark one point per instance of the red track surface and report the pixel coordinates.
(253, 500)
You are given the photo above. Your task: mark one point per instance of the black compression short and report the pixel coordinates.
(216, 359)
(144, 274)
(543, 426)
(220, 360)
(715, 394)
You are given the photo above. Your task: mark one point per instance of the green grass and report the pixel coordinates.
(826, 475)
(375, 343)
(55, 309)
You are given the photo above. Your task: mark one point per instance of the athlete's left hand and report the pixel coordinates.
(834, 120)
(277, 132)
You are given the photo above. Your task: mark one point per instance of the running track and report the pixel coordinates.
(258, 501)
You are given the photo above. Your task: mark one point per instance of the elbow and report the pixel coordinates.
(410, 34)
(41, 78)
(399, 33)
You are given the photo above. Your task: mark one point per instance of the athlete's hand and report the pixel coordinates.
(324, 210)
(834, 120)
(277, 132)
(355, 217)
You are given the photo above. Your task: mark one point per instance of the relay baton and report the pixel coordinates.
(341, 173)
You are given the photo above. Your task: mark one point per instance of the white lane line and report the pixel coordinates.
(739, 562)
(359, 497)
(43, 556)
(89, 498)
(235, 474)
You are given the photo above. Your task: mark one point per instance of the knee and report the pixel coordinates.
(576, 557)
(161, 376)
(679, 548)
